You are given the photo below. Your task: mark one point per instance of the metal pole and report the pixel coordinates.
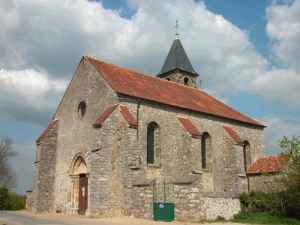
(164, 191)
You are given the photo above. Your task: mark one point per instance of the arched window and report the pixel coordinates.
(204, 146)
(81, 110)
(152, 143)
(246, 155)
(186, 81)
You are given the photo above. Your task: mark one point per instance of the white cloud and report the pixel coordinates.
(282, 84)
(41, 42)
(277, 128)
(29, 94)
(284, 30)
(279, 85)
(53, 35)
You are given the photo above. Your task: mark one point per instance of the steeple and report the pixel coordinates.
(177, 66)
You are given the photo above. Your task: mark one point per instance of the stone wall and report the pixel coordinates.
(180, 163)
(266, 182)
(78, 137)
(214, 208)
(179, 77)
(119, 180)
(29, 201)
(44, 180)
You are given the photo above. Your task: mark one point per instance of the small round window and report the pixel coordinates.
(81, 108)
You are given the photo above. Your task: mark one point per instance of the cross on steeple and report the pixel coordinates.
(176, 30)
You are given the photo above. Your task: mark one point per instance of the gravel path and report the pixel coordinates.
(26, 218)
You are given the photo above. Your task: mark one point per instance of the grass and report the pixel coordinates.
(264, 218)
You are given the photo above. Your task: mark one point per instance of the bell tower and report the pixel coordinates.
(177, 66)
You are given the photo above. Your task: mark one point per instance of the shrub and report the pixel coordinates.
(4, 198)
(263, 202)
(291, 148)
(11, 200)
(16, 202)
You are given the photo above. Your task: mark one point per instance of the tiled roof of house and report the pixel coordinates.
(189, 127)
(269, 164)
(132, 83)
(51, 125)
(233, 134)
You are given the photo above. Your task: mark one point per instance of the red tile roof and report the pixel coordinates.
(233, 134)
(269, 164)
(128, 116)
(101, 119)
(132, 83)
(52, 124)
(189, 127)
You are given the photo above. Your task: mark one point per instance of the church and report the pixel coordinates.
(121, 141)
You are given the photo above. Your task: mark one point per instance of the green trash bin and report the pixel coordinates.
(163, 211)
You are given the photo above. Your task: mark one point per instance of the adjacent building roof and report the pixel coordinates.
(189, 127)
(132, 83)
(233, 134)
(269, 164)
(177, 59)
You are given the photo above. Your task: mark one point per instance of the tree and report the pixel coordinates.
(7, 176)
(291, 155)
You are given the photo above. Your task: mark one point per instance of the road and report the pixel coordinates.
(26, 218)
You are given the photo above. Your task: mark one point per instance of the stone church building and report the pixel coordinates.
(121, 140)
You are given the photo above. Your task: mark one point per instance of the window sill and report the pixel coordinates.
(134, 167)
(200, 171)
(154, 166)
(197, 171)
(242, 175)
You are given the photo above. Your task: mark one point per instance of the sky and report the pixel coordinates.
(246, 52)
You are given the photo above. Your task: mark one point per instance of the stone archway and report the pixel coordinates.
(79, 176)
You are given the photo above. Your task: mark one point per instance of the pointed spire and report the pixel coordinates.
(177, 59)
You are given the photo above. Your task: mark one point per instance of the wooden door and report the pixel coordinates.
(83, 193)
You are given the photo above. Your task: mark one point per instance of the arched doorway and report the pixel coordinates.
(79, 175)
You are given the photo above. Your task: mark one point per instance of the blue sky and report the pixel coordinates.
(245, 52)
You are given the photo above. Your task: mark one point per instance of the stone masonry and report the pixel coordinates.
(113, 156)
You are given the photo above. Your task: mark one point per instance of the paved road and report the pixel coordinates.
(26, 218)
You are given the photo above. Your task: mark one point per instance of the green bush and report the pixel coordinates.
(11, 200)
(16, 202)
(4, 198)
(291, 149)
(263, 202)
(287, 202)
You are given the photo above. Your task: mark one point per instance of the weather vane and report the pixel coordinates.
(176, 30)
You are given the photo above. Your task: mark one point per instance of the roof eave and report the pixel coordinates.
(210, 114)
(164, 74)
